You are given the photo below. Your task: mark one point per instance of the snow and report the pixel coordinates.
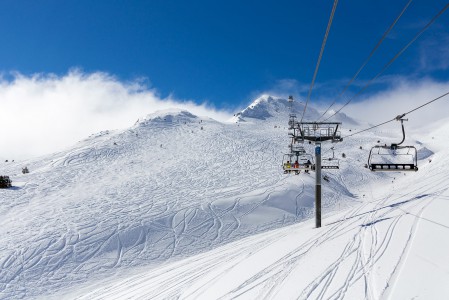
(181, 206)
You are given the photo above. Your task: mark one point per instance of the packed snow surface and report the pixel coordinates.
(182, 206)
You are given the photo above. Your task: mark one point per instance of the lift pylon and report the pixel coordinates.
(316, 132)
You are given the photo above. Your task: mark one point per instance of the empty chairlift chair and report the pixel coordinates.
(394, 157)
(330, 162)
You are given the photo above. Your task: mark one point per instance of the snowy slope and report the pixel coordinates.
(391, 245)
(166, 193)
(379, 249)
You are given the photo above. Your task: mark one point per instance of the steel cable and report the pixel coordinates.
(394, 58)
(369, 57)
(329, 24)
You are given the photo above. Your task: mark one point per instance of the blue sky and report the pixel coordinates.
(222, 52)
(97, 65)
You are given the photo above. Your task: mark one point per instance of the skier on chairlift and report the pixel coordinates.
(296, 166)
(308, 164)
(287, 165)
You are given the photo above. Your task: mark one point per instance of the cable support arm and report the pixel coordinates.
(399, 117)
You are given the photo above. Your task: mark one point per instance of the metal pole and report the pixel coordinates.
(318, 185)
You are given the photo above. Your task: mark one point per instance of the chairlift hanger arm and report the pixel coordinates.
(335, 131)
(400, 118)
(301, 132)
(403, 132)
(335, 134)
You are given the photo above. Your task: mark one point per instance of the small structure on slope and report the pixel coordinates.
(5, 182)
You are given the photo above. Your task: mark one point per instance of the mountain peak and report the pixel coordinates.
(264, 98)
(265, 107)
(262, 108)
(172, 115)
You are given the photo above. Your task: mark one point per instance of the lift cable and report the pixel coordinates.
(320, 56)
(399, 116)
(393, 59)
(369, 57)
(394, 119)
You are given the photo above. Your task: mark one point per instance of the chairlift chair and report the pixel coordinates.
(394, 158)
(330, 162)
(305, 162)
(388, 158)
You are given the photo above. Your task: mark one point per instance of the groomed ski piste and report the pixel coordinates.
(180, 206)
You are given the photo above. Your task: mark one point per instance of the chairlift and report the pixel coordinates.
(304, 162)
(330, 162)
(388, 158)
(394, 158)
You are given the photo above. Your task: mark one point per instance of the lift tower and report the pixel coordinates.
(316, 132)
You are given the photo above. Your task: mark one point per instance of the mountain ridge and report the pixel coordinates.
(267, 106)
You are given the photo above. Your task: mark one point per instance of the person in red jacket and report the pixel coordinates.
(296, 166)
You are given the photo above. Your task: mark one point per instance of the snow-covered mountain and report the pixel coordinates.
(176, 204)
(267, 107)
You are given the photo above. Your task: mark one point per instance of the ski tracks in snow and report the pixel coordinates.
(164, 195)
(137, 197)
(369, 249)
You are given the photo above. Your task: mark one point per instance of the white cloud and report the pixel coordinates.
(283, 88)
(322, 93)
(42, 114)
(433, 53)
(397, 95)
(403, 96)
